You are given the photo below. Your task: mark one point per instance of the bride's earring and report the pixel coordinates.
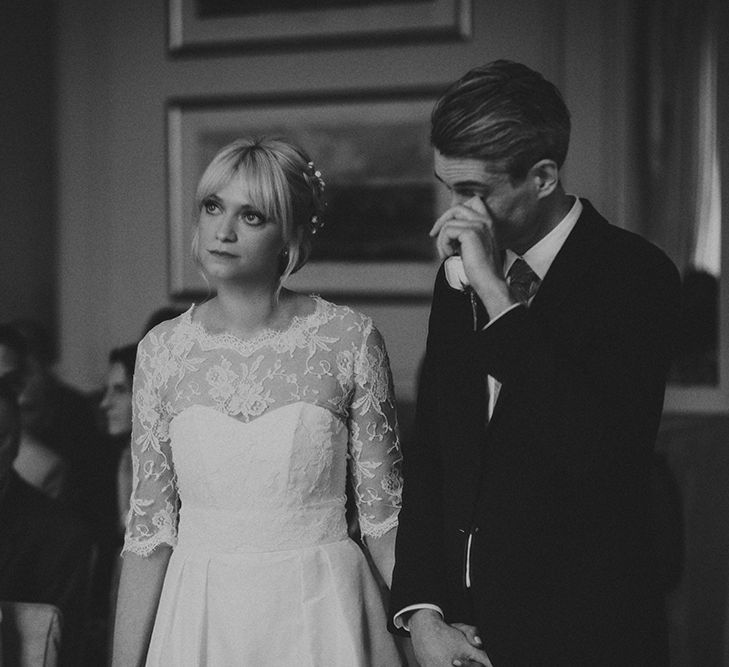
(283, 260)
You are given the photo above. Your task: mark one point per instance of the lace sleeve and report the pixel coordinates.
(374, 447)
(152, 518)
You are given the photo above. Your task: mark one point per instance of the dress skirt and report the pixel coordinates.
(318, 606)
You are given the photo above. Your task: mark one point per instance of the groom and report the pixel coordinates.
(524, 537)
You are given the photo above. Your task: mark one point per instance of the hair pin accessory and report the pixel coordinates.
(316, 224)
(315, 175)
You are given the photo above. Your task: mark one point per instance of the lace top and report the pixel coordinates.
(322, 385)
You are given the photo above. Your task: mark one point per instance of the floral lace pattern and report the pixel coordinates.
(253, 457)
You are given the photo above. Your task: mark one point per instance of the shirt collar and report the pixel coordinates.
(541, 255)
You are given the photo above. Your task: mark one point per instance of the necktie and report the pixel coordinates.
(523, 282)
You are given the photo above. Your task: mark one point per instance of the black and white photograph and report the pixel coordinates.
(364, 333)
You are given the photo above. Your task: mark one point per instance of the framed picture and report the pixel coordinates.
(374, 153)
(199, 25)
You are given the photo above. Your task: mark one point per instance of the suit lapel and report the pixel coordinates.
(572, 261)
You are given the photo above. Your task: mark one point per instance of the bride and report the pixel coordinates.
(248, 410)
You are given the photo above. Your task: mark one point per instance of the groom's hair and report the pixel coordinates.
(503, 113)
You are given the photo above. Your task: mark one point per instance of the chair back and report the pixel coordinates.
(30, 634)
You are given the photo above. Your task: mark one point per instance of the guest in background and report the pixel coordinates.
(37, 463)
(117, 407)
(62, 418)
(45, 551)
(695, 361)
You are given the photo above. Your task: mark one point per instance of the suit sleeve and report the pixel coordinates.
(419, 574)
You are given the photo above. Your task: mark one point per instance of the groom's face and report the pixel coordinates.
(511, 205)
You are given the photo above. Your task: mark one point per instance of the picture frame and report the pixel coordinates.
(374, 153)
(240, 25)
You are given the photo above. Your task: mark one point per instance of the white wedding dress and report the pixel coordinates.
(240, 453)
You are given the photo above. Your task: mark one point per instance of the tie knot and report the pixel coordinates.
(522, 281)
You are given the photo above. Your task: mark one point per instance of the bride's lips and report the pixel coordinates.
(222, 253)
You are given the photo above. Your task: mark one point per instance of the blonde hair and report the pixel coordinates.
(281, 184)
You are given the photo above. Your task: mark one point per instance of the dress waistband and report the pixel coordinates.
(258, 530)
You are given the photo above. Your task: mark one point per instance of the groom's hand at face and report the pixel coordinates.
(467, 230)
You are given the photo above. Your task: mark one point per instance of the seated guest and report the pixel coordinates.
(42, 468)
(117, 407)
(45, 551)
(37, 463)
(60, 417)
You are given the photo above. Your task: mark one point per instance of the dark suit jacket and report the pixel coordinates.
(556, 487)
(44, 557)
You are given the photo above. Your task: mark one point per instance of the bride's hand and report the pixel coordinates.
(470, 632)
(438, 644)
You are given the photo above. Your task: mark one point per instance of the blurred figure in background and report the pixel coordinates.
(696, 359)
(45, 550)
(37, 463)
(60, 417)
(117, 408)
(63, 420)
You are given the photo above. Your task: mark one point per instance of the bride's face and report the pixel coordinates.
(236, 240)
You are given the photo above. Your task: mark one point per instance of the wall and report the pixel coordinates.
(114, 77)
(27, 207)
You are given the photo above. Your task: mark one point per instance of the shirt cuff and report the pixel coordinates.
(399, 622)
(501, 314)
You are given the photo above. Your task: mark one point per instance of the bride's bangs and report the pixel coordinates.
(217, 175)
(266, 183)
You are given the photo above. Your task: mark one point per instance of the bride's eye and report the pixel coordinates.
(253, 218)
(210, 206)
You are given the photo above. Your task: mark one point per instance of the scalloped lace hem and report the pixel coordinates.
(376, 530)
(145, 547)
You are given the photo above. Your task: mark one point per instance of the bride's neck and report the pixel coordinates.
(245, 311)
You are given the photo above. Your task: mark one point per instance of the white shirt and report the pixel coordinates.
(539, 257)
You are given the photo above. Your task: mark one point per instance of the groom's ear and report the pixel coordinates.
(545, 177)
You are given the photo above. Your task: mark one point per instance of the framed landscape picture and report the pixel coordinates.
(374, 153)
(235, 25)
